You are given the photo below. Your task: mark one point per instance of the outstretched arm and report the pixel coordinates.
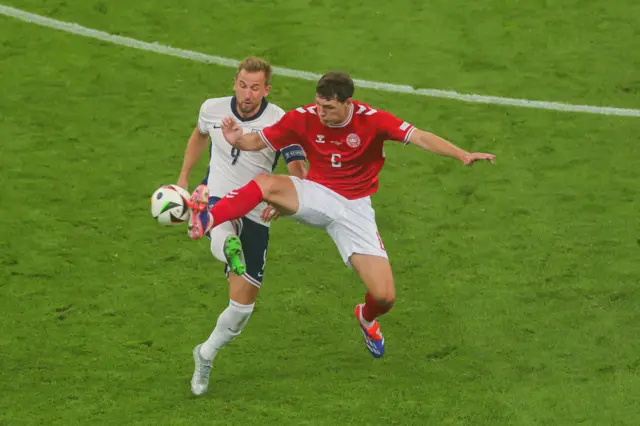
(197, 144)
(437, 145)
(244, 142)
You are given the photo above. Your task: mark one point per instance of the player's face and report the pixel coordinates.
(332, 111)
(250, 88)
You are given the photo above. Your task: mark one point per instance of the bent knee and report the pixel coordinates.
(385, 298)
(265, 182)
(270, 185)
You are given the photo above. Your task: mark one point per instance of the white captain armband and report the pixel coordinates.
(293, 153)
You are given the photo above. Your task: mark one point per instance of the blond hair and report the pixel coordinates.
(254, 64)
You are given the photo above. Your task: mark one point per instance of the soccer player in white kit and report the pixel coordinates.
(241, 244)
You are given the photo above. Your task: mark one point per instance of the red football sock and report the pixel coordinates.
(236, 203)
(372, 310)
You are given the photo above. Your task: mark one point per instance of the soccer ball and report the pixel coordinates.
(169, 205)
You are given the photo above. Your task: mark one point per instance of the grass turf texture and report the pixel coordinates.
(517, 284)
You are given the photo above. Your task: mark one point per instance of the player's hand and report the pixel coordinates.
(471, 157)
(269, 214)
(183, 183)
(231, 130)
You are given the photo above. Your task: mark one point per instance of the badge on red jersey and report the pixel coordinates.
(353, 140)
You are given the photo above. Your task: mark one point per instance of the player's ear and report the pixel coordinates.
(267, 89)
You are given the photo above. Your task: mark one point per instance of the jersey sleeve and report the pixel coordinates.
(202, 124)
(393, 128)
(285, 132)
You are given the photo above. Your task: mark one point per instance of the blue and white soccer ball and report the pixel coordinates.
(169, 205)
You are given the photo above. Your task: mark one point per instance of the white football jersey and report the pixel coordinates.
(230, 168)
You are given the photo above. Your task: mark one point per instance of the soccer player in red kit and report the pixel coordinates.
(343, 142)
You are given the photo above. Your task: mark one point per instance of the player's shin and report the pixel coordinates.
(230, 324)
(237, 203)
(372, 309)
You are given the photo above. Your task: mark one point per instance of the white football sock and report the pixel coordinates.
(230, 323)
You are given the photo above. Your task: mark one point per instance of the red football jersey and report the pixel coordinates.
(345, 158)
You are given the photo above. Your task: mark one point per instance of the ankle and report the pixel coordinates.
(363, 321)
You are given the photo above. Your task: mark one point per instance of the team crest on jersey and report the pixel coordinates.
(319, 138)
(353, 140)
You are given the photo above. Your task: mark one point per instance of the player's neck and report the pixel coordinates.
(248, 116)
(343, 121)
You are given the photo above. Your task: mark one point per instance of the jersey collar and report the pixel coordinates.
(343, 124)
(234, 110)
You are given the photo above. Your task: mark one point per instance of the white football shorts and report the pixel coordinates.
(350, 223)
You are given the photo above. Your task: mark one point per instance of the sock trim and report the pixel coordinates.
(241, 307)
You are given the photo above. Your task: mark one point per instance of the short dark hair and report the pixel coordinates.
(335, 85)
